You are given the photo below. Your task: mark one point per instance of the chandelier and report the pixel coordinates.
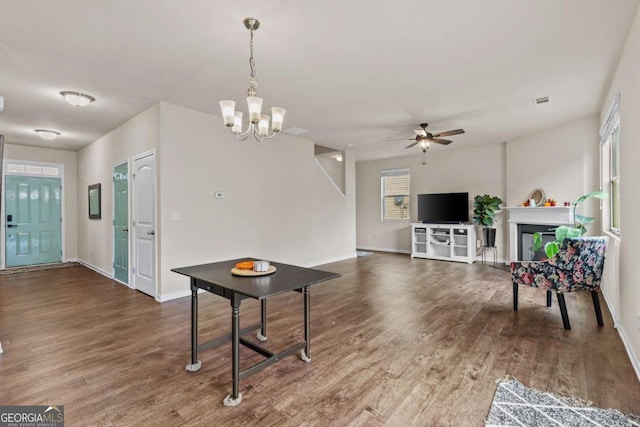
(258, 122)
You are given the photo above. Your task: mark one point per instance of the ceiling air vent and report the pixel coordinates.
(542, 100)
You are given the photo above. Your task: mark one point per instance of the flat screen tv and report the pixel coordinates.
(443, 208)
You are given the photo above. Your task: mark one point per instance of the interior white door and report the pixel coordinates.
(144, 202)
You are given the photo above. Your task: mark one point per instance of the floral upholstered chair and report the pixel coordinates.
(576, 267)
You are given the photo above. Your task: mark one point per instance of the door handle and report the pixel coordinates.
(151, 233)
(125, 229)
(12, 225)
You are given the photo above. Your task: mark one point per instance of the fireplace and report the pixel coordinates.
(524, 221)
(525, 240)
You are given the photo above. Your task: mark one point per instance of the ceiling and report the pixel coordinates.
(353, 73)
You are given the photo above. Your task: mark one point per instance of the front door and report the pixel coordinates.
(121, 223)
(33, 216)
(144, 204)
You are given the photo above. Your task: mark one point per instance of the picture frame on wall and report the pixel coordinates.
(95, 201)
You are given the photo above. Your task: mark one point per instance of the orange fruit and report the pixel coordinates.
(245, 265)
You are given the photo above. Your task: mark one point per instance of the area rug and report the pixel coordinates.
(517, 405)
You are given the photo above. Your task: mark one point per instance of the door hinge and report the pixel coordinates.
(133, 270)
(113, 265)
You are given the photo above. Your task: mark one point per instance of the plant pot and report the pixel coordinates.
(489, 237)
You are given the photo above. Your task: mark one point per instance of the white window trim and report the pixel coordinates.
(392, 172)
(606, 129)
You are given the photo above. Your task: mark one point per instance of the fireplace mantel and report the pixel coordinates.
(552, 215)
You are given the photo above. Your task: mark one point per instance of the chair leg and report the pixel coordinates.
(563, 311)
(515, 297)
(548, 298)
(596, 306)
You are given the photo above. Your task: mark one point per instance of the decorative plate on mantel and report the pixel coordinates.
(538, 195)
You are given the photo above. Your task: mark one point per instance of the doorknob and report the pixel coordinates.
(151, 233)
(125, 228)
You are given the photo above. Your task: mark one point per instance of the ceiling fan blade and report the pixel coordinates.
(411, 145)
(402, 139)
(442, 141)
(420, 132)
(449, 133)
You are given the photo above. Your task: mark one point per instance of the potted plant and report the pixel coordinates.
(484, 213)
(563, 231)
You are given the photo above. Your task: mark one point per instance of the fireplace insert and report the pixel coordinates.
(525, 240)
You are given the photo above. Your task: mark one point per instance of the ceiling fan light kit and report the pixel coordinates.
(258, 122)
(424, 138)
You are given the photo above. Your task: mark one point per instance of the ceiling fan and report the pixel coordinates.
(424, 138)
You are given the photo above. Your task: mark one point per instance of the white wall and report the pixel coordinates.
(626, 82)
(278, 204)
(476, 170)
(333, 168)
(95, 165)
(562, 160)
(69, 160)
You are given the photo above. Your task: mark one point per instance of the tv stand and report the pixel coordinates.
(448, 242)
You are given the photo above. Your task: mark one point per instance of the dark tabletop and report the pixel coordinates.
(286, 278)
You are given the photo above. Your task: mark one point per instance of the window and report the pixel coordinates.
(395, 194)
(32, 169)
(610, 167)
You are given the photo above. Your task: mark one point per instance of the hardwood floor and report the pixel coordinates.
(395, 341)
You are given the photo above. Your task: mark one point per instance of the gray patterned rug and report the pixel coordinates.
(517, 405)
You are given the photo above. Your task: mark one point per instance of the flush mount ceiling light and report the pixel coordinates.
(77, 99)
(47, 134)
(258, 122)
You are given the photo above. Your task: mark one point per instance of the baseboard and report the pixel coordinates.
(635, 361)
(393, 250)
(94, 268)
(176, 295)
(173, 295)
(627, 345)
(329, 260)
(614, 315)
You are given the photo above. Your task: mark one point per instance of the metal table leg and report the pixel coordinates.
(235, 397)
(305, 354)
(262, 333)
(483, 254)
(195, 364)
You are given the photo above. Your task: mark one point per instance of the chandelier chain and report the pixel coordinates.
(253, 82)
